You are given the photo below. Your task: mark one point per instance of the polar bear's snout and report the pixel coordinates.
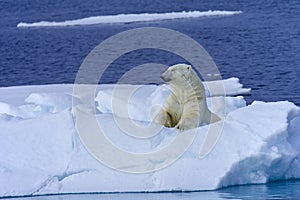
(166, 76)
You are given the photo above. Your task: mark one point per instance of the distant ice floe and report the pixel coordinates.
(41, 153)
(129, 18)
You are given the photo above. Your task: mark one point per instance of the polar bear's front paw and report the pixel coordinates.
(186, 124)
(182, 126)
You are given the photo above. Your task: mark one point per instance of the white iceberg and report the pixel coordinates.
(130, 18)
(41, 153)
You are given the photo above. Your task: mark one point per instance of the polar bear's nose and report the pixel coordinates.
(164, 78)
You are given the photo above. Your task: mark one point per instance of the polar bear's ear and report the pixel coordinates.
(188, 72)
(188, 67)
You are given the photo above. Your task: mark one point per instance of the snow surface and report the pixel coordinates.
(127, 18)
(41, 153)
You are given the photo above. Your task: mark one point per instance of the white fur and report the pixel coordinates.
(186, 107)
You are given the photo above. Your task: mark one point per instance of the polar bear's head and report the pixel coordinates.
(177, 73)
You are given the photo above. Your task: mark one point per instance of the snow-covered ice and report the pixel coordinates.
(41, 153)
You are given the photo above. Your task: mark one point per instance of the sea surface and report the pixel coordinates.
(287, 190)
(260, 46)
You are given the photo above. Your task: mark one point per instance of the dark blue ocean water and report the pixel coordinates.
(261, 46)
(272, 191)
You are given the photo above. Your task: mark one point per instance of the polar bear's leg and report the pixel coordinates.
(171, 112)
(210, 117)
(188, 120)
(187, 123)
(164, 118)
(214, 118)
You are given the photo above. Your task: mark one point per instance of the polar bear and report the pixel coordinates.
(186, 107)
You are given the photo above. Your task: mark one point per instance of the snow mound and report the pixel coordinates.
(129, 18)
(232, 86)
(41, 153)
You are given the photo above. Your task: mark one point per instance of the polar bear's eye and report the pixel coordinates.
(188, 68)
